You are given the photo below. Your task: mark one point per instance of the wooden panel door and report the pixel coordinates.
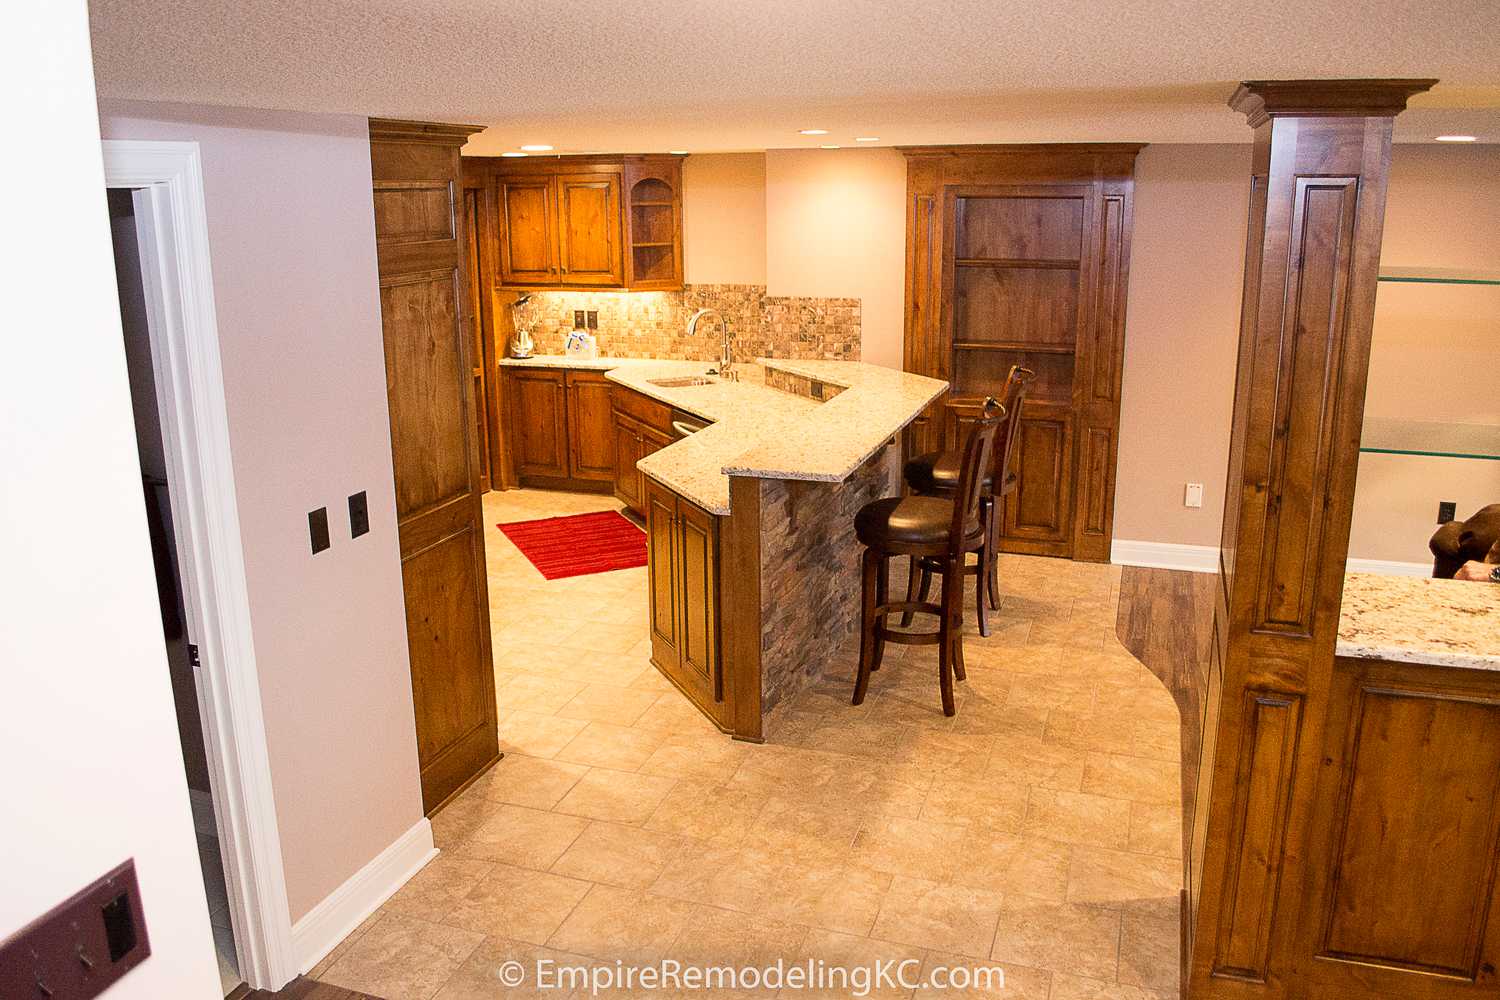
(420, 244)
(591, 439)
(661, 558)
(589, 229)
(698, 608)
(539, 422)
(628, 486)
(1038, 513)
(528, 219)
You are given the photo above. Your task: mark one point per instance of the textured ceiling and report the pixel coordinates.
(704, 75)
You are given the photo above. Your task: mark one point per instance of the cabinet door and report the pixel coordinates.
(589, 229)
(661, 558)
(652, 441)
(539, 425)
(591, 441)
(627, 452)
(528, 231)
(697, 606)
(1038, 515)
(477, 263)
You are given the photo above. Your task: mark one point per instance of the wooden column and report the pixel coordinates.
(1317, 205)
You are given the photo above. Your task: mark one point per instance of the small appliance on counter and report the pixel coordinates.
(521, 344)
(581, 343)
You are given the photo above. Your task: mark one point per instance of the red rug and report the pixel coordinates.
(579, 544)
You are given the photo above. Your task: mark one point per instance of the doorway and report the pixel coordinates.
(159, 221)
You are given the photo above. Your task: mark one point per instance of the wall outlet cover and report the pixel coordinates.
(1447, 511)
(359, 514)
(1193, 495)
(317, 529)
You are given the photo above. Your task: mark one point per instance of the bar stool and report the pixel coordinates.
(945, 530)
(936, 474)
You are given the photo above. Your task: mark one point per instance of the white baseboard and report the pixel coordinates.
(328, 923)
(1165, 555)
(1205, 559)
(1388, 567)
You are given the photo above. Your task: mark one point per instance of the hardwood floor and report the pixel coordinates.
(1165, 620)
(303, 988)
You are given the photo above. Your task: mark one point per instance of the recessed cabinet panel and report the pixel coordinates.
(591, 453)
(661, 519)
(528, 245)
(1016, 305)
(1020, 228)
(1039, 507)
(539, 424)
(413, 211)
(589, 229)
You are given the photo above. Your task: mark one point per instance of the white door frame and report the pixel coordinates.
(172, 224)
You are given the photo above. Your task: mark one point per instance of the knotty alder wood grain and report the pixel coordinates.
(1345, 819)
(435, 449)
(1020, 255)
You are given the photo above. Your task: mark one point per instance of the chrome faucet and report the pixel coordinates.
(726, 358)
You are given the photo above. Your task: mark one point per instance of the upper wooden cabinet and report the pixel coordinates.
(585, 221)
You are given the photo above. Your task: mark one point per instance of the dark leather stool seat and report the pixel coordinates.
(937, 472)
(898, 522)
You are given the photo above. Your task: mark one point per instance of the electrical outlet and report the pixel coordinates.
(1193, 495)
(317, 529)
(593, 317)
(578, 321)
(359, 514)
(1447, 511)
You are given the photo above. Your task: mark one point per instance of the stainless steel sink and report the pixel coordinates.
(682, 380)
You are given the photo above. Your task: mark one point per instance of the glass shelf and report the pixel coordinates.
(1439, 276)
(1390, 436)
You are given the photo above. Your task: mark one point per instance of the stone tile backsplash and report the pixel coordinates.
(654, 324)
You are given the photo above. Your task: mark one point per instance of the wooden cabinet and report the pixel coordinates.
(560, 430)
(683, 556)
(539, 422)
(591, 446)
(642, 427)
(585, 221)
(1020, 255)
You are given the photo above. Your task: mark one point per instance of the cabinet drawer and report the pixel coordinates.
(655, 415)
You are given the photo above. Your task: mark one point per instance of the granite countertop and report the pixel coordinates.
(1409, 619)
(763, 432)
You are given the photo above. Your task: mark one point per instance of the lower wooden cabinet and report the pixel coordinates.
(683, 555)
(560, 429)
(641, 427)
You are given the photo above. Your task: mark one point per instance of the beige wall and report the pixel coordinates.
(724, 219)
(1181, 327)
(89, 759)
(292, 235)
(836, 226)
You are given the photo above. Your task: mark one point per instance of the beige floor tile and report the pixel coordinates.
(618, 855)
(793, 833)
(1097, 875)
(1068, 987)
(1058, 937)
(1028, 760)
(618, 748)
(339, 950)
(707, 812)
(519, 836)
(609, 639)
(715, 759)
(848, 963)
(517, 903)
(1150, 952)
(1006, 982)
(402, 958)
(528, 781)
(1139, 779)
(616, 796)
(1156, 829)
(535, 693)
(608, 703)
(727, 939)
(672, 713)
(994, 805)
(537, 735)
(440, 887)
(622, 924)
(1076, 818)
(949, 918)
(1011, 863)
(460, 818)
(916, 848)
(479, 977)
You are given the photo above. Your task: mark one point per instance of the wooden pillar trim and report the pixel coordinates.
(1319, 166)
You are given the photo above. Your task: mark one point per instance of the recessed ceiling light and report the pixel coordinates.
(812, 131)
(678, 152)
(867, 138)
(829, 147)
(512, 154)
(1457, 138)
(537, 147)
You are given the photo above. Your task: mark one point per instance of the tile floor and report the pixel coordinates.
(1037, 830)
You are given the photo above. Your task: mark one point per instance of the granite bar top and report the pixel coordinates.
(763, 432)
(1408, 619)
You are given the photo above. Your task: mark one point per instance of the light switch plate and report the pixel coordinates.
(1193, 495)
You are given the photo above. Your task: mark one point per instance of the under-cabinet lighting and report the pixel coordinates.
(678, 152)
(812, 131)
(1457, 138)
(537, 147)
(512, 154)
(867, 138)
(829, 146)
